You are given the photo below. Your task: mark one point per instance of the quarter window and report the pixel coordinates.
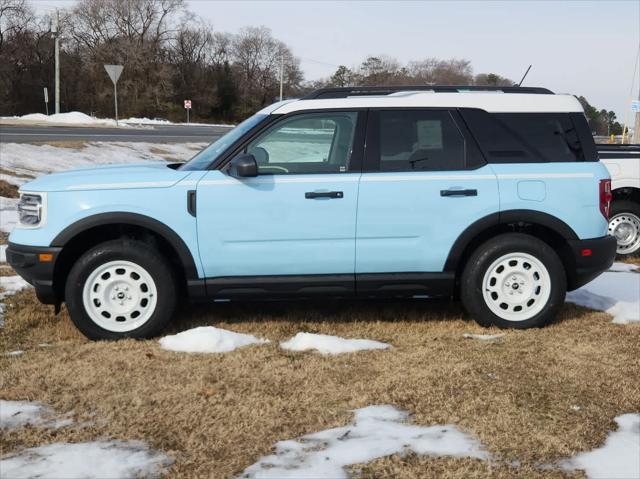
(308, 143)
(420, 140)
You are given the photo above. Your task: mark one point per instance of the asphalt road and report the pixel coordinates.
(147, 133)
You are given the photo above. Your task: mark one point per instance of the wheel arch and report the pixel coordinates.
(544, 226)
(628, 193)
(79, 237)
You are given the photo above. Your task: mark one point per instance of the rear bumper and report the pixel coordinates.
(587, 266)
(26, 261)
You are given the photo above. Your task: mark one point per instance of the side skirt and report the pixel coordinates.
(367, 285)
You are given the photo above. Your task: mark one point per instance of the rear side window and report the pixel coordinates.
(419, 140)
(526, 137)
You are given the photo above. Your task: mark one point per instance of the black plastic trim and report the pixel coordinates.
(505, 218)
(24, 260)
(405, 284)
(191, 202)
(134, 219)
(343, 92)
(260, 287)
(586, 268)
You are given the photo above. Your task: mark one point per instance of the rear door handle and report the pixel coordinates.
(310, 195)
(458, 192)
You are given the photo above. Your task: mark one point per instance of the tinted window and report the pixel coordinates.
(309, 143)
(419, 140)
(526, 137)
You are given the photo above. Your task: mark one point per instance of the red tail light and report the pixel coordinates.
(605, 198)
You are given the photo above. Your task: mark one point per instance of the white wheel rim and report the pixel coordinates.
(119, 296)
(625, 227)
(516, 287)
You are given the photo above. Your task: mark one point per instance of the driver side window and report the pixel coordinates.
(306, 143)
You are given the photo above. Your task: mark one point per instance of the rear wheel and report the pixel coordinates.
(120, 289)
(513, 281)
(624, 225)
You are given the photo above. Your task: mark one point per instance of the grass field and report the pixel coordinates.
(534, 396)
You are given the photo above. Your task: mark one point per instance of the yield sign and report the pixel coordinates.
(114, 72)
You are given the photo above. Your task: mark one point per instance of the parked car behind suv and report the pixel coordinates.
(494, 196)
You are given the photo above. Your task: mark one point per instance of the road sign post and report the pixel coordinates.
(46, 100)
(114, 72)
(187, 106)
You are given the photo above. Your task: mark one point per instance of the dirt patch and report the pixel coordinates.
(70, 144)
(216, 414)
(4, 171)
(634, 259)
(8, 190)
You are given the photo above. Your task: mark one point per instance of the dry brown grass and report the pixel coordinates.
(71, 144)
(218, 413)
(4, 171)
(4, 237)
(8, 190)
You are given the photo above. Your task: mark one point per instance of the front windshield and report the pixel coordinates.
(202, 160)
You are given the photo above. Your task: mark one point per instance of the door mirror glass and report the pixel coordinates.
(244, 166)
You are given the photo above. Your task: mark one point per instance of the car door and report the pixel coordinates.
(424, 182)
(291, 229)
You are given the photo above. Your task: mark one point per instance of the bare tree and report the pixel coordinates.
(16, 16)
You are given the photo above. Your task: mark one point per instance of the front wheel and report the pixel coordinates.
(121, 288)
(513, 281)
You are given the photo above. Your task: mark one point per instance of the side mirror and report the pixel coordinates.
(244, 166)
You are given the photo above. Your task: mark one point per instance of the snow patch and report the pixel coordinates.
(79, 118)
(330, 344)
(617, 293)
(17, 352)
(3, 252)
(8, 214)
(618, 457)
(207, 339)
(483, 337)
(19, 413)
(90, 460)
(623, 267)
(375, 432)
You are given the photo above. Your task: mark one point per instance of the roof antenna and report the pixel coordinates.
(525, 75)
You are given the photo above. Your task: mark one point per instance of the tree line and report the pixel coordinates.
(169, 54)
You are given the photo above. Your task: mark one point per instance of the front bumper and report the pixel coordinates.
(28, 263)
(588, 258)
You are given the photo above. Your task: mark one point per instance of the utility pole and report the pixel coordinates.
(281, 73)
(56, 33)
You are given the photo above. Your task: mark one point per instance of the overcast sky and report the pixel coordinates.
(580, 47)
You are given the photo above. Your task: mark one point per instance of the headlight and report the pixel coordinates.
(31, 209)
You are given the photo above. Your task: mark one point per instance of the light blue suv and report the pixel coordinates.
(491, 195)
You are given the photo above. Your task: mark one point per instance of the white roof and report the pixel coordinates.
(495, 102)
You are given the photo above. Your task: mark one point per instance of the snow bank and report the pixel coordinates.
(99, 459)
(330, 344)
(207, 339)
(36, 160)
(618, 457)
(483, 337)
(376, 431)
(19, 413)
(69, 118)
(616, 292)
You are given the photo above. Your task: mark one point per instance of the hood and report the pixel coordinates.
(109, 177)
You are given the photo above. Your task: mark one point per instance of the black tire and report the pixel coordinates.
(471, 286)
(620, 207)
(142, 255)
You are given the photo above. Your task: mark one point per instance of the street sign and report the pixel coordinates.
(114, 72)
(635, 106)
(187, 104)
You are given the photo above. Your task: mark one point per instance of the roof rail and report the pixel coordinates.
(343, 92)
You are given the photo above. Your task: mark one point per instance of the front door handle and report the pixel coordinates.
(310, 195)
(458, 192)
